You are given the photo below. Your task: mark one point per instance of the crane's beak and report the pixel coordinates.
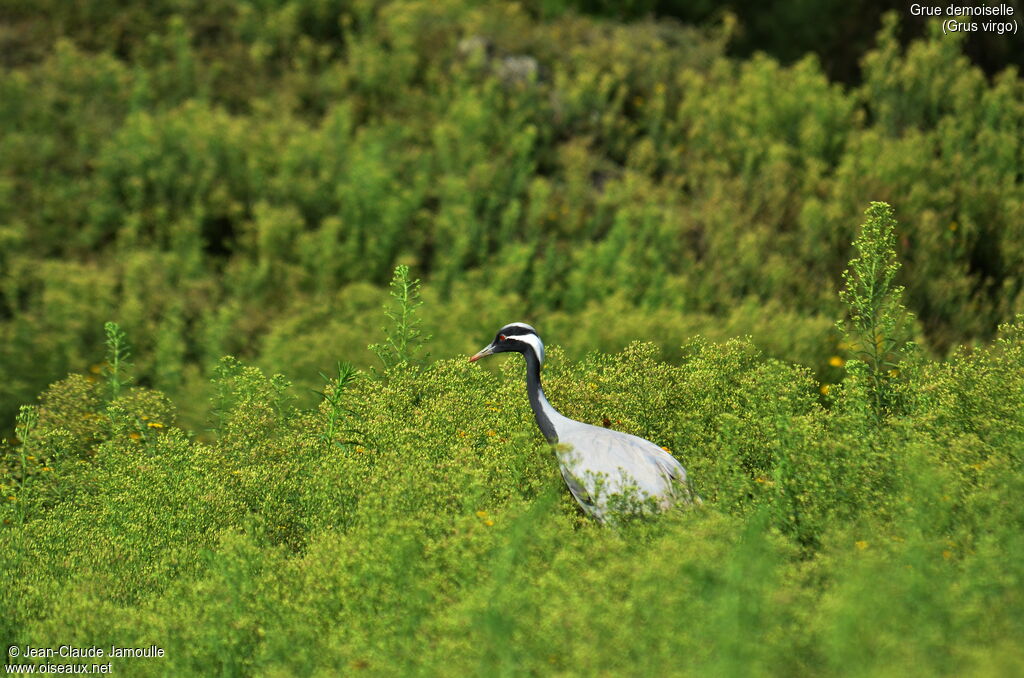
(483, 353)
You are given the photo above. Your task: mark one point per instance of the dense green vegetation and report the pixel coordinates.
(415, 524)
(185, 181)
(242, 178)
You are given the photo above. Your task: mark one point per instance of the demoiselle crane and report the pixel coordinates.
(608, 472)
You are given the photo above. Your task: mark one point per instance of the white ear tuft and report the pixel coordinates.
(534, 341)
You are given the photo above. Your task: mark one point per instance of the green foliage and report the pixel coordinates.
(334, 401)
(246, 405)
(75, 405)
(216, 176)
(118, 353)
(443, 540)
(404, 337)
(242, 179)
(877, 331)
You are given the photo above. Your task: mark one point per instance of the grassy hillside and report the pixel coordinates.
(202, 206)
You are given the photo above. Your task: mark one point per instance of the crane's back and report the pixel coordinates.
(610, 470)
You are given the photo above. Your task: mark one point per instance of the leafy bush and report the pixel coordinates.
(439, 537)
(215, 178)
(241, 179)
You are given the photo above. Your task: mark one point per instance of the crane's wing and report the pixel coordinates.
(579, 493)
(671, 467)
(606, 463)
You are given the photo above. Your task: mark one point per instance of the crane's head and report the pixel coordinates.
(518, 337)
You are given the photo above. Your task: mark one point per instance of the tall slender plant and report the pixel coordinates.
(118, 353)
(404, 338)
(337, 410)
(876, 326)
(18, 466)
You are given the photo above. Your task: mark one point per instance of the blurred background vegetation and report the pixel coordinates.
(241, 178)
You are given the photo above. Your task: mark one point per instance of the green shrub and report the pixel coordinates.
(214, 179)
(440, 537)
(242, 179)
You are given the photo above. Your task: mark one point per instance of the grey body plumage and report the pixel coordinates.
(606, 471)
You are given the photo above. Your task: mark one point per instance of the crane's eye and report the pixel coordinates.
(501, 337)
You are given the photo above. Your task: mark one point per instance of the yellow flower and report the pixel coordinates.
(836, 361)
(491, 433)
(761, 479)
(489, 523)
(894, 373)
(824, 389)
(667, 450)
(47, 468)
(861, 545)
(134, 436)
(481, 514)
(155, 424)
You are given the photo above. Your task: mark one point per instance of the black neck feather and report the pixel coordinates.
(535, 392)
